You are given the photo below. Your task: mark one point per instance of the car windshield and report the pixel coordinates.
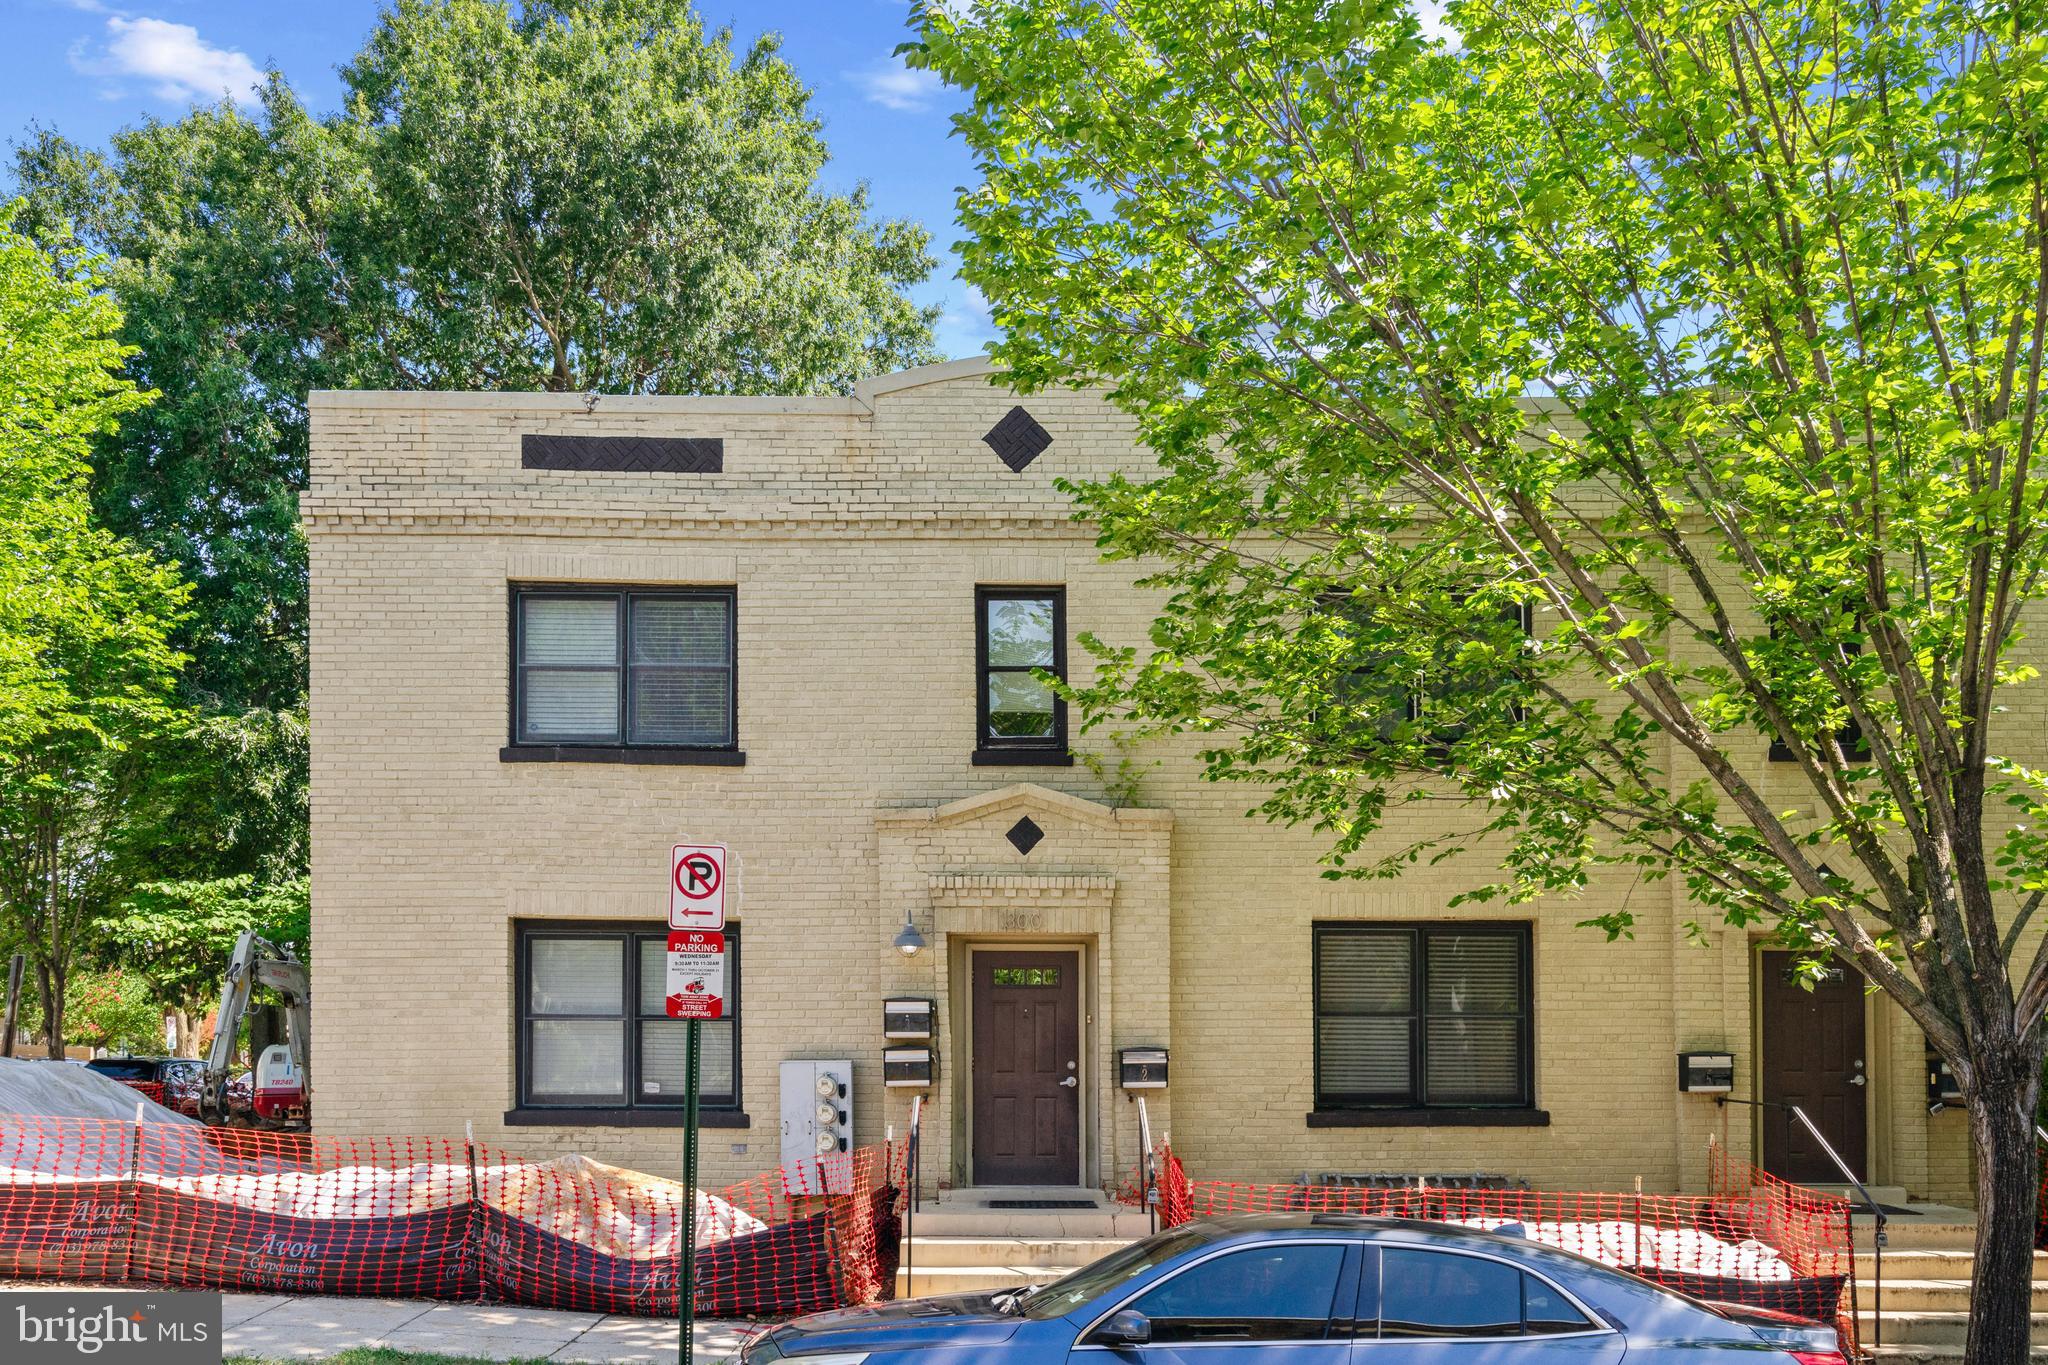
(1091, 1282)
(123, 1068)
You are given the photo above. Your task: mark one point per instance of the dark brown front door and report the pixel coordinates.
(1813, 1057)
(1027, 1076)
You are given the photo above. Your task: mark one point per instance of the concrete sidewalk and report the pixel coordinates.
(292, 1327)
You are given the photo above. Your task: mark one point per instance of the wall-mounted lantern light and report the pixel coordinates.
(910, 942)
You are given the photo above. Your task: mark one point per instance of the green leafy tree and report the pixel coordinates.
(1708, 336)
(595, 195)
(87, 669)
(584, 195)
(177, 937)
(587, 195)
(114, 1010)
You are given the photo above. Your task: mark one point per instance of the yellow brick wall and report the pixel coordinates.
(856, 531)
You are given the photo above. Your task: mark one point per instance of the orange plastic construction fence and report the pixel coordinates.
(1755, 1240)
(224, 1208)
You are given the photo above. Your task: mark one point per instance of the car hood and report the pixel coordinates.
(958, 1320)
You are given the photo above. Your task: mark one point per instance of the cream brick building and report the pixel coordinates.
(798, 591)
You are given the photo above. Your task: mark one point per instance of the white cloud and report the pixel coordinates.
(965, 324)
(893, 85)
(175, 62)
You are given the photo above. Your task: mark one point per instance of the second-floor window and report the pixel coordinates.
(631, 668)
(1022, 631)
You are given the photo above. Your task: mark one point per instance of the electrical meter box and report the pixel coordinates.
(817, 1126)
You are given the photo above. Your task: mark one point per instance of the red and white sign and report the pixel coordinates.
(696, 886)
(696, 974)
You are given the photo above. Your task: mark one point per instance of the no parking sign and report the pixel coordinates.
(696, 974)
(696, 886)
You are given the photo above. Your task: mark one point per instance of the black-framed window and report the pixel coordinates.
(1395, 700)
(594, 1031)
(1849, 736)
(629, 668)
(1019, 631)
(1414, 1016)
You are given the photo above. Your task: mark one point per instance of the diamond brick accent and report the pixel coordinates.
(1025, 834)
(1017, 440)
(624, 454)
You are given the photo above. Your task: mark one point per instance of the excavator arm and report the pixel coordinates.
(256, 962)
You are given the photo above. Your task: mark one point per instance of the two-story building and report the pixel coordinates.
(555, 635)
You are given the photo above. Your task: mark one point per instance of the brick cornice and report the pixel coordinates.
(315, 517)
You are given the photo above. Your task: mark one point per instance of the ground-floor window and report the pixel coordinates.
(594, 1031)
(1423, 1015)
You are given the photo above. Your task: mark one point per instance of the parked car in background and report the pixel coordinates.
(240, 1096)
(171, 1081)
(128, 1070)
(181, 1077)
(1310, 1288)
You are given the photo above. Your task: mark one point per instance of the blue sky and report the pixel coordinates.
(91, 67)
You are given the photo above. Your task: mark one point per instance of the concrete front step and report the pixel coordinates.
(1894, 1195)
(1929, 1328)
(922, 1281)
(1931, 1263)
(965, 1220)
(1029, 1252)
(1909, 1354)
(1913, 1234)
(1936, 1295)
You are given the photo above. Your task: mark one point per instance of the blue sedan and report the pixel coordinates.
(1312, 1289)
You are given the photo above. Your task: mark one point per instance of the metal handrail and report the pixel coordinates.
(1877, 1215)
(1148, 1189)
(909, 1256)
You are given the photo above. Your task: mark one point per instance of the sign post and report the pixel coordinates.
(686, 1296)
(697, 894)
(696, 992)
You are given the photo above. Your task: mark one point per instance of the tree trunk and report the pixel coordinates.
(52, 988)
(188, 1032)
(2001, 1111)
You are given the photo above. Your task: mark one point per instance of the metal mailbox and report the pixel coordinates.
(907, 1017)
(1942, 1089)
(1142, 1068)
(1706, 1073)
(907, 1068)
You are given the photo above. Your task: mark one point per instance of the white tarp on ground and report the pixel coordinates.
(62, 1090)
(1620, 1242)
(608, 1209)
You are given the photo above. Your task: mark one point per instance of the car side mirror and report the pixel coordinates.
(1125, 1327)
